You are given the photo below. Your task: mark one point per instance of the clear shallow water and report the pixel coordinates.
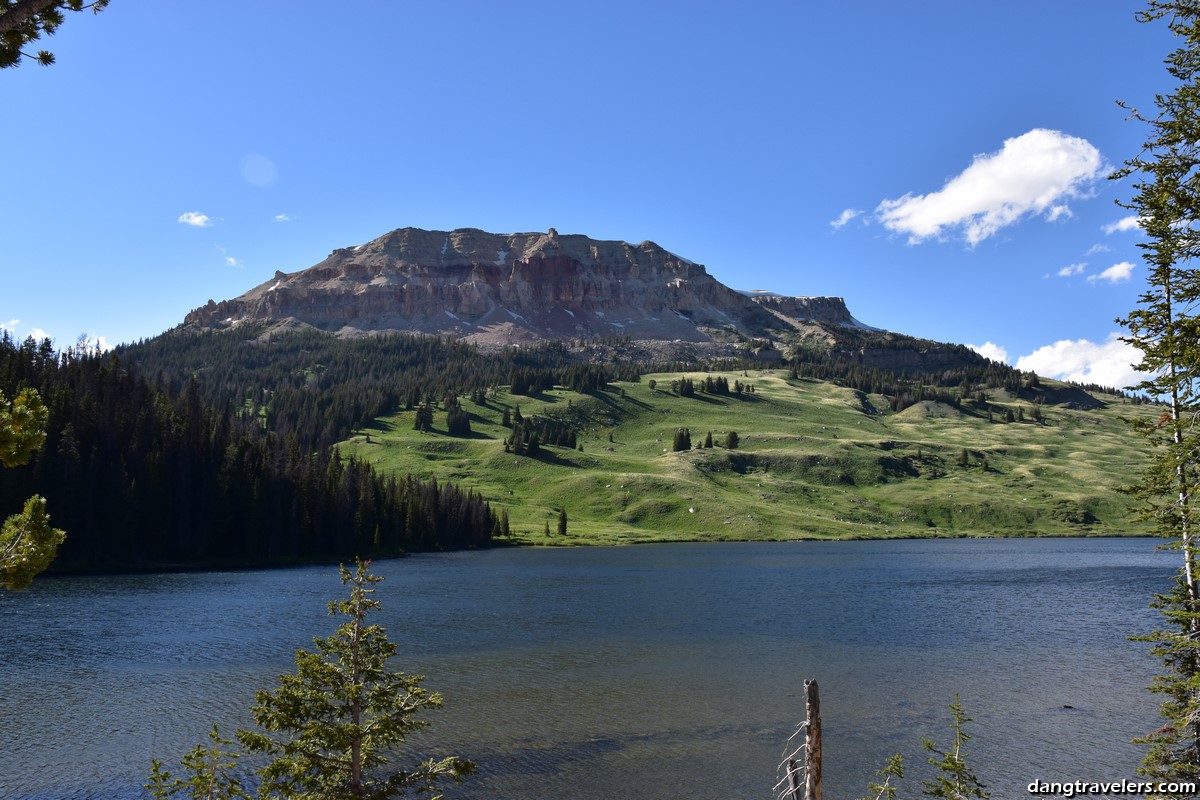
(666, 671)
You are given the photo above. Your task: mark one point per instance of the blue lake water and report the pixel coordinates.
(665, 671)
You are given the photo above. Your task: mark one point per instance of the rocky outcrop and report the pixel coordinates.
(500, 287)
(638, 301)
(821, 310)
(914, 356)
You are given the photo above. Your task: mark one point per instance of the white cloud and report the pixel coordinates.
(11, 325)
(282, 218)
(39, 334)
(1058, 212)
(1123, 225)
(230, 260)
(1072, 269)
(1082, 361)
(1097, 248)
(195, 219)
(1031, 174)
(1117, 273)
(993, 351)
(844, 217)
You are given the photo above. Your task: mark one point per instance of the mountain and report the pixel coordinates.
(500, 289)
(505, 288)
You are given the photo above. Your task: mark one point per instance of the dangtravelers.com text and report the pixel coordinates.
(1081, 788)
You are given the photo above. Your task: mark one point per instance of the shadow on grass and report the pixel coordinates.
(474, 418)
(539, 395)
(546, 455)
(708, 398)
(604, 397)
(442, 433)
(627, 396)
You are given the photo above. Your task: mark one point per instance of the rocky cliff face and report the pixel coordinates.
(921, 357)
(500, 287)
(523, 287)
(821, 310)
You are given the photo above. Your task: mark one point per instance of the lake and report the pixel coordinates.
(659, 671)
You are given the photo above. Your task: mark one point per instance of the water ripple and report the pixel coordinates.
(642, 672)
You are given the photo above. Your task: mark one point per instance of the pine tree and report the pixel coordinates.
(332, 728)
(211, 774)
(27, 542)
(423, 420)
(22, 23)
(894, 769)
(458, 422)
(731, 440)
(562, 522)
(956, 780)
(1167, 204)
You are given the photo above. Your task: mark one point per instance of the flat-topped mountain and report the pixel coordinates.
(502, 288)
(497, 288)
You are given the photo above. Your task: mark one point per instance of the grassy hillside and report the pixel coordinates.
(814, 461)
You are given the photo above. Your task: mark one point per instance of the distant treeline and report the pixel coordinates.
(141, 471)
(1133, 397)
(950, 386)
(319, 388)
(207, 446)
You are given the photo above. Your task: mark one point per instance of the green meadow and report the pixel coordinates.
(814, 461)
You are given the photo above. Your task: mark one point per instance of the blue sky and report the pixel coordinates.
(942, 165)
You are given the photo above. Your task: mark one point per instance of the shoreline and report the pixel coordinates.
(76, 570)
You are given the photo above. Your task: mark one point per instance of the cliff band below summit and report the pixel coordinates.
(511, 288)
